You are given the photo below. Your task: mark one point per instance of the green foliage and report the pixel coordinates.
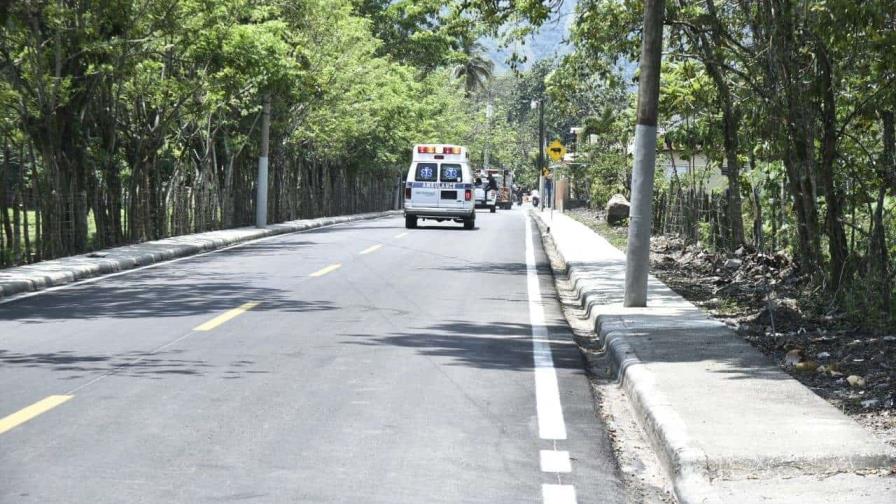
(791, 99)
(162, 100)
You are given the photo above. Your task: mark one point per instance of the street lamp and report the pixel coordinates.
(539, 104)
(489, 112)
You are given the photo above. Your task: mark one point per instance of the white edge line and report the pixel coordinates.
(547, 392)
(558, 494)
(554, 461)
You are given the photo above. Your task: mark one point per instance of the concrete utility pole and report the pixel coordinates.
(489, 112)
(541, 184)
(261, 199)
(637, 260)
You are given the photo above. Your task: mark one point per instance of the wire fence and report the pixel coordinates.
(692, 214)
(37, 225)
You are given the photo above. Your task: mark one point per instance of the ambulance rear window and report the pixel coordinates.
(425, 172)
(451, 173)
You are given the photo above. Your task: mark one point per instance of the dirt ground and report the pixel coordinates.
(761, 297)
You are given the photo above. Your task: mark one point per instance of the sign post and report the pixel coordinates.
(556, 151)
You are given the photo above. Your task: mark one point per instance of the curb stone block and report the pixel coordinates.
(15, 286)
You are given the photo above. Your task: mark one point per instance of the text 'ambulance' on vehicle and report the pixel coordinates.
(439, 186)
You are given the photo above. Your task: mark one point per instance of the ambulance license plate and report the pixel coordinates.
(452, 195)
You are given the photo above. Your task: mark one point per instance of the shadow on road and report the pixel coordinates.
(340, 228)
(499, 345)
(497, 268)
(423, 227)
(155, 294)
(132, 364)
(266, 248)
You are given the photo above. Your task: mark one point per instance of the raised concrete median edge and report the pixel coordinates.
(53, 273)
(726, 423)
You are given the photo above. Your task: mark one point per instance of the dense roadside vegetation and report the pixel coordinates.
(777, 130)
(129, 120)
(775, 200)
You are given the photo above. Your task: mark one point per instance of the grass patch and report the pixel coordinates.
(616, 235)
(9, 254)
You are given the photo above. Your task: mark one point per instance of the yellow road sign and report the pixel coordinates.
(556, 151)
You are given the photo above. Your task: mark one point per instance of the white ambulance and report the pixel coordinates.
(439, 186)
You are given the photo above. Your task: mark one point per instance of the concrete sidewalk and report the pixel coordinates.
(46, 274)
(726, 422)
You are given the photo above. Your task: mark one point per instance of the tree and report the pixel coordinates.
(137, 119)
(475, 68)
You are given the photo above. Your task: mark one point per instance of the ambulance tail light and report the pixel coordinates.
(468, 195)
(407, 192)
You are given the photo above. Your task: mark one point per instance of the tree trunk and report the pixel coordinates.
(731, 118)
(5, 200)
(888, 118)
(837, 245)
(880, 252)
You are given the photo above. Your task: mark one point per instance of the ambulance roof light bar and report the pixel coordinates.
(438, 149)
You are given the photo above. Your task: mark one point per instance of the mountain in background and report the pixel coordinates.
(549, 41)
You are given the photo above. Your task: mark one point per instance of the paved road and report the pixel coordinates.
(356, 363)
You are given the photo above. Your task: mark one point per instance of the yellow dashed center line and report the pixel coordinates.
(371, 249)
(25, 414)
(329, 269)
(402, 235)
(224, 317)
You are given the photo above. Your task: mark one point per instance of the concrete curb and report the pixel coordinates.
(56, 272)
(694, 478)
(668, 435)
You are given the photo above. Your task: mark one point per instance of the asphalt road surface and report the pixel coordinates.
(355, 363)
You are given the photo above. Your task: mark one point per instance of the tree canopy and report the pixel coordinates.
(127, 120)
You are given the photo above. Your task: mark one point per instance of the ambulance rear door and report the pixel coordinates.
(424, 187)
(452, 190)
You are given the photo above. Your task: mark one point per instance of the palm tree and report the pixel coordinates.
(477, 69)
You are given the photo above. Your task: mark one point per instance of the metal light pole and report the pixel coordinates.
(637, 256)
(261, 199)
(540, 105)
(553, 191)
(489, 111)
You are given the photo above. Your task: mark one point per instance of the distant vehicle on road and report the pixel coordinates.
(504, 182)
(439, 186)
(483, 195)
